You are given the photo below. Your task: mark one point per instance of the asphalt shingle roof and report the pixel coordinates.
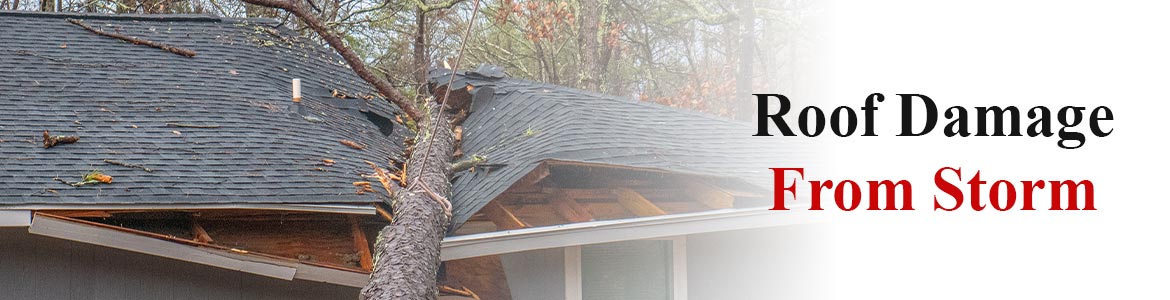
(118, 97)
(525, 123)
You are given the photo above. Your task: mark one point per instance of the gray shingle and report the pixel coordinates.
(576, 125)
(119, 97)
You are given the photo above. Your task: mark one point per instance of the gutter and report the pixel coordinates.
(585, 233)
(231, 259)
(15, 218)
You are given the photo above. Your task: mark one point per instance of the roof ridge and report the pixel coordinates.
(598, 95)
(621, 99)
(141, 17)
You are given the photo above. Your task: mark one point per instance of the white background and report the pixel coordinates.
(983, 53)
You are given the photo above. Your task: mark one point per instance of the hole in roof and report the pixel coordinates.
(385, 125)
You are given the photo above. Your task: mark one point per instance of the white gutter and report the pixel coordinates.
(320, 208)
(576, 234)
(287, 270)
(15, 218)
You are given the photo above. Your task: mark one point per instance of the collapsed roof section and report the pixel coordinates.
(218, 127)
(518, 125)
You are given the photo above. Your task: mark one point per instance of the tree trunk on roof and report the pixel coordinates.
(406, 258)
(406, 254)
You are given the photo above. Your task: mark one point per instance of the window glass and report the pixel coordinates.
(626, 270)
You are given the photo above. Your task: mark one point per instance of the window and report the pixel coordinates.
(642, 269)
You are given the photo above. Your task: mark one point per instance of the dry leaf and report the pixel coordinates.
(352, 144)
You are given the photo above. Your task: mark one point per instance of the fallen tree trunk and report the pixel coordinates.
(407, 260)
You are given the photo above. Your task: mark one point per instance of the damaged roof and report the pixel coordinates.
(517, 124)
(219, 127)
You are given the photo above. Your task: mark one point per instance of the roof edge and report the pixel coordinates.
(140, 17)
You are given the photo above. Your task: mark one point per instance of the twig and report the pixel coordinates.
(53, 140)
(446, 204)
(191, 125)
(352, 144)
(134, 40)
(128, 165)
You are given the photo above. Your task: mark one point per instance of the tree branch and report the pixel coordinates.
(437, 6)
(348, 54)
(469, 163)
(134, 40)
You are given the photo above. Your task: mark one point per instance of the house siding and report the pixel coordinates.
(36, 267)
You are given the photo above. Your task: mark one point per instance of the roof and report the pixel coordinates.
(517, 124)
(234, 134)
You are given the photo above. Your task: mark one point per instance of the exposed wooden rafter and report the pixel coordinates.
(637, 204)
(200, 233)
(502, 217)
(569, 209)
(709, 195)
(384, 213)
(361, 244)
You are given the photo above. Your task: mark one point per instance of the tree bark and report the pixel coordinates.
(588, 41)
(421, 61)
(406, 261)
(406, 254)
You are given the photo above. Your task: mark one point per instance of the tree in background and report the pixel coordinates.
(683, 53)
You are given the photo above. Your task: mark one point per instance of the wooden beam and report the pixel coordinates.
(537, 174)
(366, 259)
(594, 193)
(709, 195)
(569, 209)
(502, 217)
(475, 226)
(201, 235)
(385, 214)
(638, 204)
(81, 213)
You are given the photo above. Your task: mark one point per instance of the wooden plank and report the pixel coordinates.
(366, 259)
(607, 210)
(569, 209)
(475, 226)
(638, 204)
(709, 195)
(82, 213)
(534, 177)
(502, 217)
(201, 235)
(482, 277)
(597, 193)
(384, 213)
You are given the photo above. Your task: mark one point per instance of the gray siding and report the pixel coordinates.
(35, 267)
